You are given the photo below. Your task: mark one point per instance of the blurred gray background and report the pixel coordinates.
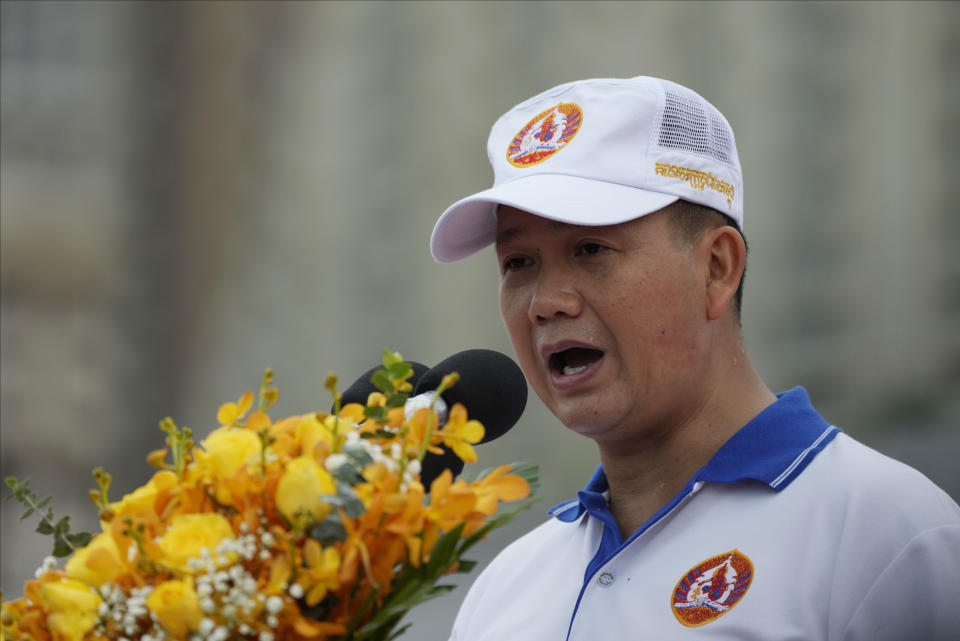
(192, 192)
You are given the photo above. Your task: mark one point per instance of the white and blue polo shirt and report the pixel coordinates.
(792, 531)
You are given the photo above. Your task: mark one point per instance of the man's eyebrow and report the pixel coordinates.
(512, 233)
(508, 234)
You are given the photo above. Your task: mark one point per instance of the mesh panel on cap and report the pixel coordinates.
(692, 125)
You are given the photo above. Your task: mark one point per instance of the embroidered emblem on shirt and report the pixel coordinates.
(710, 589)
(546, 134)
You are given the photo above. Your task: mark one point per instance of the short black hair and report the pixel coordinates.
(690, 220)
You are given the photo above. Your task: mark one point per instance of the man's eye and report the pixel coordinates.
(590, 249)
(514, 263)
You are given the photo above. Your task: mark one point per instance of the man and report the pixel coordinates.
(720, 510)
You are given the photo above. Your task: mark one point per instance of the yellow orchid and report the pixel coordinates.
(498, 486)
(230, 413)
(460, 434)
(450, 502)
(321, 573)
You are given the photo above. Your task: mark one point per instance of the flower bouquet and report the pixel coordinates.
(313, 527)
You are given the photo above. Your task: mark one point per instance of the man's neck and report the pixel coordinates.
(643, 479)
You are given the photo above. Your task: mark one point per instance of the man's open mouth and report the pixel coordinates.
(574, 360)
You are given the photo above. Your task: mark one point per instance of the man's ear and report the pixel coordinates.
(726, 256)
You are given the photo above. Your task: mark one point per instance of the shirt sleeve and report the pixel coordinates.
(915, 597)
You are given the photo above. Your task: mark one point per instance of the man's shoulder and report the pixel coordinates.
(854, 472)
(868, 504)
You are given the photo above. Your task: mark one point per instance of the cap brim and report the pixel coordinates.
(469, 225)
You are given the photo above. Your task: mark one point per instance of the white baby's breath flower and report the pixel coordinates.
(206, 626)
(274, 604)
(334, 461)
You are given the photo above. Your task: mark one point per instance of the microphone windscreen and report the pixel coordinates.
(362, 387)
(491, 387)
(433, 466)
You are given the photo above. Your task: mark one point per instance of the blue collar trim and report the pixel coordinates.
(773, 448)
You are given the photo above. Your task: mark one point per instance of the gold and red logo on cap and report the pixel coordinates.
(546, 134)
(710, 589)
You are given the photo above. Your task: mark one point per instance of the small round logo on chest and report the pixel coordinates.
(710, 589)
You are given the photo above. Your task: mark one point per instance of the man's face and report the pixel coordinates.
(608, 323)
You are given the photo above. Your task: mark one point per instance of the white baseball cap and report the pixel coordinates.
(599, 152)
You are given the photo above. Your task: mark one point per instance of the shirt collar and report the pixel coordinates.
(773, 448)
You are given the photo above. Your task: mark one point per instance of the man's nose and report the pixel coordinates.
(555, 296)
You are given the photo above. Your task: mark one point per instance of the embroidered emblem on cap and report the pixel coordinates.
(546, 134)
(710, 589)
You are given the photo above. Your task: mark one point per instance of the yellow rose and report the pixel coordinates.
(227, 449)
(142, 499)
(71, 606)
(189, 534)
(97, 563)
(301, 487)
(176, 606)
(311, 431)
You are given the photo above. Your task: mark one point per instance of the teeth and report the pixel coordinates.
(567, 370)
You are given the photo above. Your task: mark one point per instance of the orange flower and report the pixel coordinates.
(322, 572)
(499, 486)
(409, 521)
(460, 435)
(450, 502)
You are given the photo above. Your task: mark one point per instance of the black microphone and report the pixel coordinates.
(491, 387)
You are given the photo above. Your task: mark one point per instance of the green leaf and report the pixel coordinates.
(400, 371)
(379, 434)
(376, 412)
(329, 530)
(443, 553)
(347, 473)
(466, 566)
(348, 500)
(44, 527)
(382, 381)
(61, 547)
(44, 502)
(399, 632)
(28, 512)
(391, 358)
(358, 456)
(79, 539)
(397, 400)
